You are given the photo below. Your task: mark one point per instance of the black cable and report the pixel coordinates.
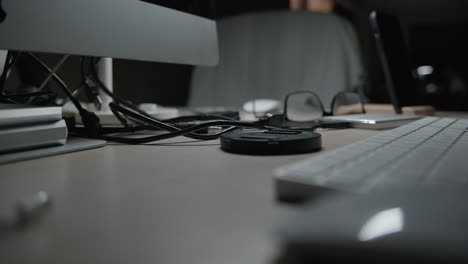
(87, 84)
(6, 68)
(75, 94)
(45, 101)
(202, 117)
(61, 83)
(34, 94)
(117, 99)
(137, 113)
(81, 131)
(89, 120)
(175, 130)
(9, 63)
(185, 132)
(131, 111)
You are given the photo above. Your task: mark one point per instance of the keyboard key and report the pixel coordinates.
(430, 151)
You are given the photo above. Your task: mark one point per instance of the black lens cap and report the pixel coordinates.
(271, 142)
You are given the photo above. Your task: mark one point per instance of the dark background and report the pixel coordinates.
(436, 33)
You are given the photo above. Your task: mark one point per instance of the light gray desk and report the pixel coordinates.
(167, 203)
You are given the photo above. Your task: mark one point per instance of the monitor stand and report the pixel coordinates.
(105, 74)
(105, 71)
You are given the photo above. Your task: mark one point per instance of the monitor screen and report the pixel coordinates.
(127, 29)
(203, 8)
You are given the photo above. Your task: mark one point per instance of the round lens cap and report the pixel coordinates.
(271, 142)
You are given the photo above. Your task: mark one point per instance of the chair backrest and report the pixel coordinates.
(268, 55)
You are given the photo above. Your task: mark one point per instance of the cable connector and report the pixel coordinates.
(92, 92)
(91, 123)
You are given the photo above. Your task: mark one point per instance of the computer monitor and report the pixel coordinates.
(203, 8)
(127, 29)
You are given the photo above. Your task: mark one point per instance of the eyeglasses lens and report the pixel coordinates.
(348, 103)
(303, 107)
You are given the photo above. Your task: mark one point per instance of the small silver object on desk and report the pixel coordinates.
(24, 210)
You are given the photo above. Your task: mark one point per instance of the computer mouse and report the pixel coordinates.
(258, 108)
(160, 112)
(262, 106)
(414, 226)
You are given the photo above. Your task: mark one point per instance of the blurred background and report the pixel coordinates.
(435, 32)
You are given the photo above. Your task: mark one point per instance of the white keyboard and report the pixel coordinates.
(430, 151)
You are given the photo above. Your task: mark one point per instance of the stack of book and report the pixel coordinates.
(24, 128)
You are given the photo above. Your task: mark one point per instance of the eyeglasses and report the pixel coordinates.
(304, 109)
(304, 106)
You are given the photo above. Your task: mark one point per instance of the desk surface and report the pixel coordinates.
(177, 202)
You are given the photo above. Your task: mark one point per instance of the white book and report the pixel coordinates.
(12, 115)
(32, 137)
